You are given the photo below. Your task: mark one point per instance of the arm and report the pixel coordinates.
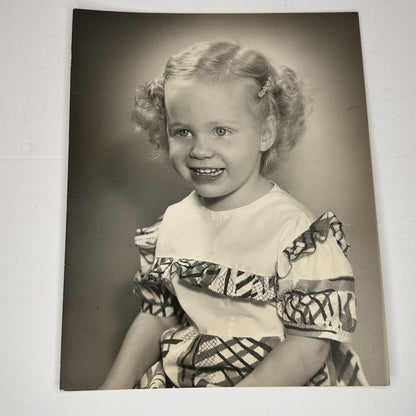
(291, 363)
(139, 351)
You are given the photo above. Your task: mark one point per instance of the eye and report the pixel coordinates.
(183, 133)
(221, 131)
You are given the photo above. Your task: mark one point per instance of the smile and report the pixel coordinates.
(207, 171)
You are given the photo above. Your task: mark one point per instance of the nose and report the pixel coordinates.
(201, 148)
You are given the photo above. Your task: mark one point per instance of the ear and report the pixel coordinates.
(268, 133)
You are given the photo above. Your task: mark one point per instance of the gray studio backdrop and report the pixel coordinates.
(115, 184)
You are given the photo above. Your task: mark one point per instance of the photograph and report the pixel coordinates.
(221, 225)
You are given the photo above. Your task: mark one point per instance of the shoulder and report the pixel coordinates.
(147, 236)
(308, 244)
(319, 252)
(288, 215)
(184, 205)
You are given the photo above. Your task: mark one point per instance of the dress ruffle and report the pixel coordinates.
(215, 278)
(155, 297)
(323, 308)
(305, 243)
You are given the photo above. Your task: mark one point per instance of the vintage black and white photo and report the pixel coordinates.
(221, 226)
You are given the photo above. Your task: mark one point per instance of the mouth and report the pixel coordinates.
(212, 172)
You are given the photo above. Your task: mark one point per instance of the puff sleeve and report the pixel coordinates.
(315, 295)
(156, 298)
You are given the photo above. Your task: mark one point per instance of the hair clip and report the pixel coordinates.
(162, 75)
(266, 87)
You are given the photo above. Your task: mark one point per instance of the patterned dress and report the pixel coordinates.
(239, 281)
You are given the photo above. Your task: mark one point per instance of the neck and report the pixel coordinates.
(239, 197)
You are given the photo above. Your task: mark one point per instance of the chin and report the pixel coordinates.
(210, 193)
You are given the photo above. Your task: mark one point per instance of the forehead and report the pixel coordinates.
(215, 99)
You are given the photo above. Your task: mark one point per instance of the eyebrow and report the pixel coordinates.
(219, 123)
(175, 123)
(213, 123)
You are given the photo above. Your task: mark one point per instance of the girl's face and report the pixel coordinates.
(215, 141)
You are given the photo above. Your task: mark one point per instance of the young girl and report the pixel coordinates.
(240, 285)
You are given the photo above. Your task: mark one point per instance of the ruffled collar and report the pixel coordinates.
(215, 278)
(225, 281)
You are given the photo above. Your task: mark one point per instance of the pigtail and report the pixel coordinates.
(287, 103)
(149, 111)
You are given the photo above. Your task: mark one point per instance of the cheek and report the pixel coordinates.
(179, 146)
(177, 164)
(247, 150)
(176, 153)
(172, 149)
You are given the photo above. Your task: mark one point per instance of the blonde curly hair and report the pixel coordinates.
(283, 98)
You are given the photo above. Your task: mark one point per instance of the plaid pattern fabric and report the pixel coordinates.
(323, 308)
(200, 360)
(210, 276)
(220, 279)
(156, 297)
(218, 361)
(157, 300)
(153, 378)
(145, 240)
(310, 310)
(317, 232)
(347, 367)
(321, 378)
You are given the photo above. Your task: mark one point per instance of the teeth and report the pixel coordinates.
(208, 171)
